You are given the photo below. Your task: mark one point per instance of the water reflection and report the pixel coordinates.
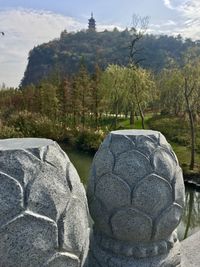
(191, 217)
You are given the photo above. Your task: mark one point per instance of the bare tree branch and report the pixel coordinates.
(138, 29)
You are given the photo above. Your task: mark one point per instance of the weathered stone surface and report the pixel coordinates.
(108, 184)
(104, 161)
(164, 144)
(11, 198)
(45, 193)
(53, 155)
(43, 206)
(102, 257)
(168, 221)
(179, 189)
(101, 216)
(131, 166)
(152, 195)
(119, 146)
(164, 163)
(24, 143)
(77, 188)
(131, 225)
(103, 164)
(75, 226)
(63, 260)
(27, 240)
(190, 256)
(143, 169)
(145, 144)
(20, 164)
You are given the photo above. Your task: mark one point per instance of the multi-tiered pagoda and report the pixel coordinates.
(92, 23)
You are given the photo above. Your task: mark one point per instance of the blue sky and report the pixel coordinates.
(27, 23)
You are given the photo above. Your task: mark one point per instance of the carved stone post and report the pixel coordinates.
(136, 198)
(43, 211)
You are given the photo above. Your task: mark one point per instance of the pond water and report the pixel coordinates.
(190, 222)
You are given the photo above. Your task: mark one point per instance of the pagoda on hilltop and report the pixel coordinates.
(92, 24)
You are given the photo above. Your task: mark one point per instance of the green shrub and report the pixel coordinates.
(173, 128)
(88, 139)
(25, 122)
(36, 125)
(9, 132)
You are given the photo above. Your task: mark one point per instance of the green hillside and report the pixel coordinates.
(64, 54)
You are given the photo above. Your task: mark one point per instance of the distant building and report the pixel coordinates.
(92, 24)
(63, 34)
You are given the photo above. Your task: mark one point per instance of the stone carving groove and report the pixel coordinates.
(43, 212)
(136, 198)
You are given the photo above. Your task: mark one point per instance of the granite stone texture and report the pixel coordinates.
(190, 251)
(44, 213)
(136, 198)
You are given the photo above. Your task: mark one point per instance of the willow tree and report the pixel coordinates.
(180, 91)
(115, 80)
(171, 98)
(140, 85)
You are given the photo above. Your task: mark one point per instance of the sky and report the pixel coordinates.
(28, 23)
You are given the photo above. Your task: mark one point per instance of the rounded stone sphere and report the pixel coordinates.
(136, 190)
(44, 214)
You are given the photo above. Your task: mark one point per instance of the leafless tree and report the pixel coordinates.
(138, 29)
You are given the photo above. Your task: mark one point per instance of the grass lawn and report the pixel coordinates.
(177, 132)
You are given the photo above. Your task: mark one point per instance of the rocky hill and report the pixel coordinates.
(108, 47)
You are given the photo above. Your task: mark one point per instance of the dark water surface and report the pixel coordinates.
(191, 218)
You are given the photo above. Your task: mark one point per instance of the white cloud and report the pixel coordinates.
(174, 4)
(190, 13)
(187, 14)
(170, 23)
(25, 29)
(191, 9)
(168, 4)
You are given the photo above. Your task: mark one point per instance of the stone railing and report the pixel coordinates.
(135, 196)
(44, 214)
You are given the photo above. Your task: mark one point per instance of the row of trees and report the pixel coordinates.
(180, 93)
(85, 100)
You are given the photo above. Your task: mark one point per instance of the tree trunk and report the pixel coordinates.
(141, 115)
(192, 130)
(116, 116)
(191, 202)
(132, 117)
(83, 112)
(74, 118)
(96, 113)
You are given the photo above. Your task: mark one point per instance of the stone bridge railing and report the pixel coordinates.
(135, 196)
